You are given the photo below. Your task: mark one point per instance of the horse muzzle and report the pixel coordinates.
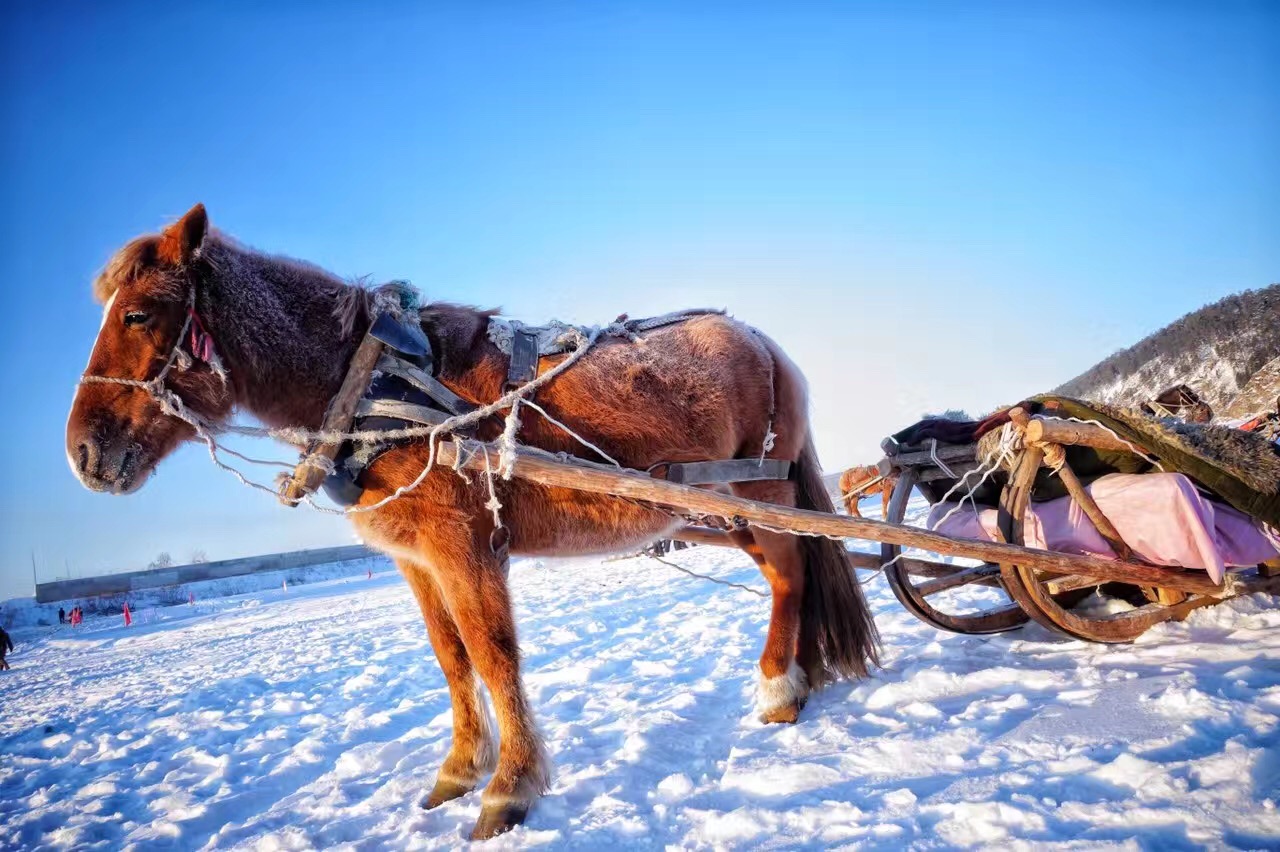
(112, 466)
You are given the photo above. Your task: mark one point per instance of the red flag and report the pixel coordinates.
(128, 619)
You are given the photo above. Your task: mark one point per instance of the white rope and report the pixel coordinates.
(1152, 461)
(460, 459)
(583, 441)
(173, 405)
(684, 570)
(507, 443)
(933, 454)
(494, 505)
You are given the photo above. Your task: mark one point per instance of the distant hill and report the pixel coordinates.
(1215, 350)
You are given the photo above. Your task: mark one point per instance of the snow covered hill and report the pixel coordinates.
(1214, 350)
(316, 719)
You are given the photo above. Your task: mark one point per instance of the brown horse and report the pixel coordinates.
(854, 486)
(273, 337)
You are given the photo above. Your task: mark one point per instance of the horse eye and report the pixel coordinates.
(135, 318)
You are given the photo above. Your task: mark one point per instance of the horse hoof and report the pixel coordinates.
(444, 791)
(499, 819)
(786, 714)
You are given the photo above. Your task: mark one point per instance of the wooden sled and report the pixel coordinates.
(1044, 595)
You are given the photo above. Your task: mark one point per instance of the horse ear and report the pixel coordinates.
(182, 240)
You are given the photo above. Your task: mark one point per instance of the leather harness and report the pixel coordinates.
(405, 392)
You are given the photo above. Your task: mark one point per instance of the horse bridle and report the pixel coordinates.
(202, 350)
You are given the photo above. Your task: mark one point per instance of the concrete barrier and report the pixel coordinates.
(113, 584)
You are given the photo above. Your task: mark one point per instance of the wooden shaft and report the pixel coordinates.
(1042, 430)
(557, 472)
(342, 409)
(863, 561)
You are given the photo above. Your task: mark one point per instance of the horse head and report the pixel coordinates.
(152, 338)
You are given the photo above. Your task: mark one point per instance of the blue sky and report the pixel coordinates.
(928, 205)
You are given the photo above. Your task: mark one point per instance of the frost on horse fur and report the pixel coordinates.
(285, 331)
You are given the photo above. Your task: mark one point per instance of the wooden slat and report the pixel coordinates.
(960, 578)
(933, 474)
(915, 567)
(1069, 583)
(726, 470)
(546, 469)
(947, 453)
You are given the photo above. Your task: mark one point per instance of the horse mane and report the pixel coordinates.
(138, 257)
(352, 302)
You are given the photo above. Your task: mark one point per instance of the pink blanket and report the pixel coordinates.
(1162, 516)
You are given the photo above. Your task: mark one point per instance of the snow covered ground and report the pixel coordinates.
(316, 719)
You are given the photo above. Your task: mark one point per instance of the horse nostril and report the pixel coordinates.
(126, 461)
(90, 457)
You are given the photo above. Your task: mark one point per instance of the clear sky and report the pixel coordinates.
(928, 205)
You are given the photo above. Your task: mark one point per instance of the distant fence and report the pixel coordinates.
(132, 581)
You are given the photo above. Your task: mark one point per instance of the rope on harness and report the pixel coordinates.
(684, 570)
(494, 504)
(507, 443)
(590, 446)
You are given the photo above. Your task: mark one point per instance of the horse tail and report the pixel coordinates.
(838, 636)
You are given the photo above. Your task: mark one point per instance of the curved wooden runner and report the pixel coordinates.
(1035, 591)
(915, 598)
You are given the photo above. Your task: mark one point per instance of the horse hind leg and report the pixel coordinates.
(473, 753)
(784, 687)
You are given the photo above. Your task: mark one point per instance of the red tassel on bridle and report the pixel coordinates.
(199, 339)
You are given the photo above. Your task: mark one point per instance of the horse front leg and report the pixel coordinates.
(474, 752)
(473, 585)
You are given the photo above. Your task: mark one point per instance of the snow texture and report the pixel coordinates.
(316, 718)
